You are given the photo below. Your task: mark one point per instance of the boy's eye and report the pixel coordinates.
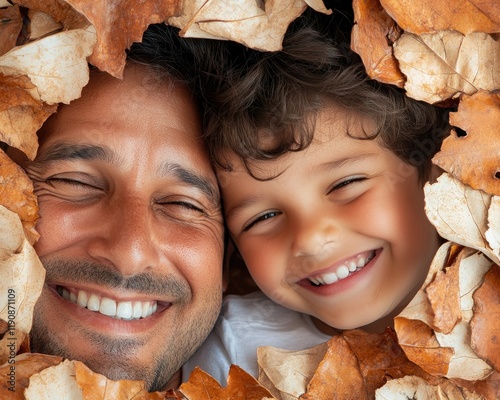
(346, 182)
(260, 218)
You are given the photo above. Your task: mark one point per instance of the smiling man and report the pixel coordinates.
(131, 228)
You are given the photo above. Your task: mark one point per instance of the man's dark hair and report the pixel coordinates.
(279, 93)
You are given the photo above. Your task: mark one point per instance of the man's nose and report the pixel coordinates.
(312, 233)
(128, 239)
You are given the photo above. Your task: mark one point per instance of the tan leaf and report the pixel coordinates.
(485, 323)
(444, 295)
(465, 16)
(468, 154)
(117, 29)
(21, 115)
(259, 25)
(54, 383)
(98, 387)
(57, 64)
(240, 386)
(286, 373)
(357, 363)
(459, 213)
(489, 388)
(16, 194)
(372, 38)
(59, 10)
(414, 387)
(442, 65)
(420, 345)
(21, 280)
(42, 24)
(493, 232)
(10, 26)
(25, 365)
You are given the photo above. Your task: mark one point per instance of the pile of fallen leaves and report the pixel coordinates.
(445, 344)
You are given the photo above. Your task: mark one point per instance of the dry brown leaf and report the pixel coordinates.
(25, 365)
(16, 194)
(489, 388)
(444, 295)
(468, 154)
(42, 24)
(493, 233)
(57, 64)
(485, 323)
(420, 345)
(118, 24)
(464, 362)
(21, 115)
(240, 386)
(460, 213)
(286, 373)
(465, 16)
(21, 279)
(372, 38)
(259, 25)
(10, 26)
(414, 387)
(445, 64)
(97, 387)
(357, 363)
(59, 10)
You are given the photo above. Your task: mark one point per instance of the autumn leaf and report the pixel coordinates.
(414, 387)
(372, 37)
(468, 154)
(464, 363)
(460, 214)
(464, 16)
(493, 233)
(21, 281)
(258, 25)
(240, 386)
(10, 26)
(42, 24)
(286, 373)
(445, 64)
(56, 65)
(26, 365)
(485, 340)
(119, 23)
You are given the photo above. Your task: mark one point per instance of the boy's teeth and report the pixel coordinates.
(341, 272)
(122, 310)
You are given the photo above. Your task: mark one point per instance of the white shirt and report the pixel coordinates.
(245, 323)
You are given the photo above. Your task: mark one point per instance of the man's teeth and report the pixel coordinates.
(122, 310)
(342, 271)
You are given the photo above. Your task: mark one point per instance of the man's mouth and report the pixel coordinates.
(126, 310)
(342, 271)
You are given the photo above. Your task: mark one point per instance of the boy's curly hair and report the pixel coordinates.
(279, 93)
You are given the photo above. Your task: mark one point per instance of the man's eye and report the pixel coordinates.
(260, 218)
(180, 206)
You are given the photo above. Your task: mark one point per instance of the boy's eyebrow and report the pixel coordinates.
(232, 211)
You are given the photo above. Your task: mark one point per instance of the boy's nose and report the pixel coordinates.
(312, 235)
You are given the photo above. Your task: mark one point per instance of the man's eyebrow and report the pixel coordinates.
(328, 166)
(70, 151)
(194, 179)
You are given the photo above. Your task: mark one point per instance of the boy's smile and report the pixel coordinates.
(339, 232)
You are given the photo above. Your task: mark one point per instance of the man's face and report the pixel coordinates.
(131, 230)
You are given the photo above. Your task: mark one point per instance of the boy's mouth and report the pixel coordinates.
(125, 310)
(342, 271)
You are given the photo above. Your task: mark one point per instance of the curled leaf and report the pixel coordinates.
(258, 25)
(442, 65)
(372, 38)
(465, 16)
(56, 65)
(21, 280)
(467, 153)
(42, 24)
(11, 23)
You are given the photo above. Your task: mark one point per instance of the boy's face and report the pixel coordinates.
(340, 233)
